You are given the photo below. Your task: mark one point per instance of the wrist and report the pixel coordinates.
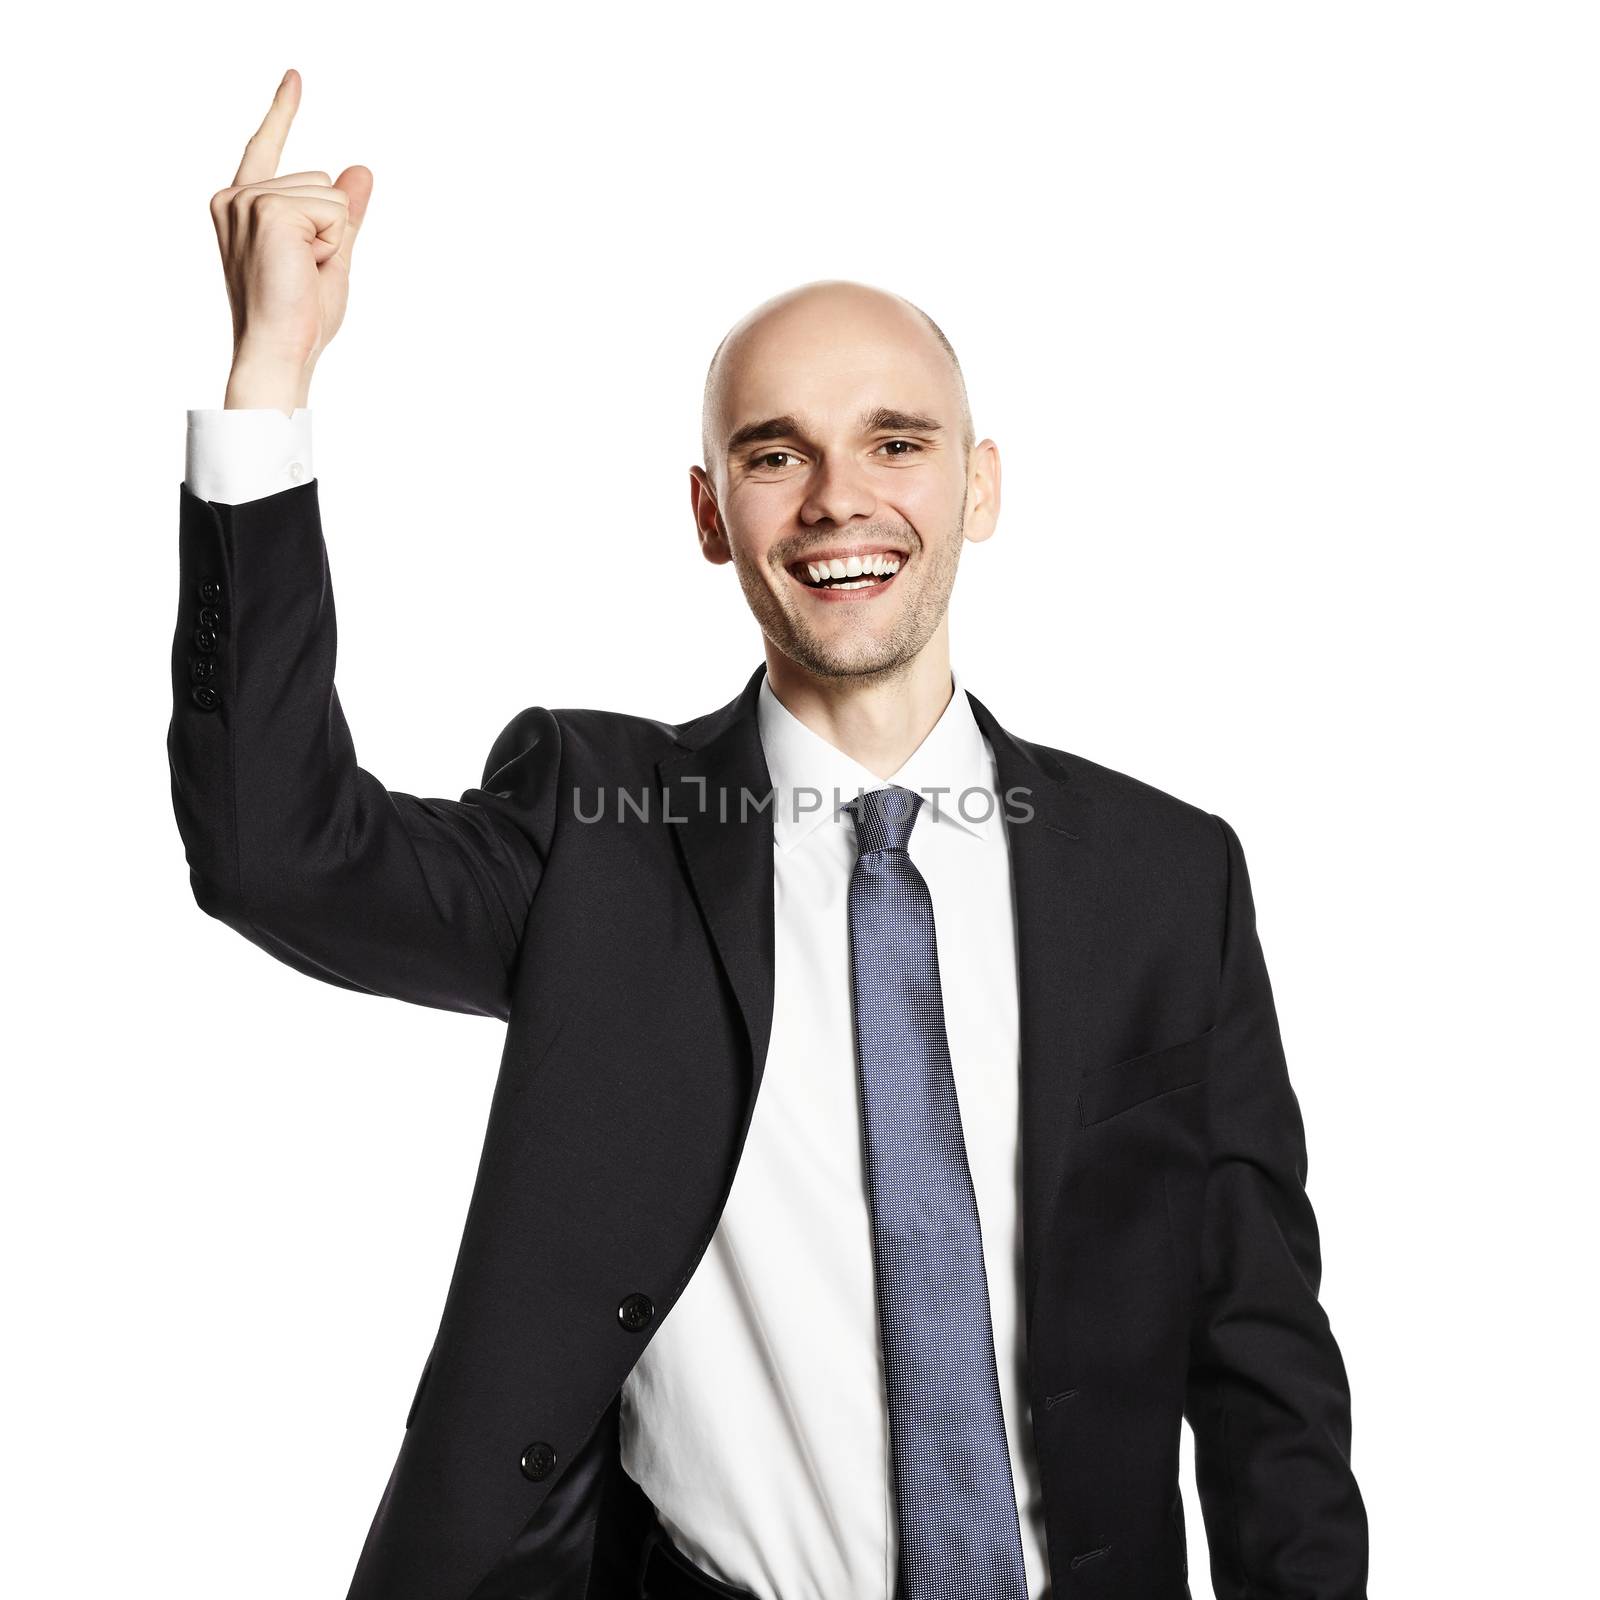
(260, 379)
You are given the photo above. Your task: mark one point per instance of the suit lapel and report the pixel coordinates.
(727, 849)
(1055, 870)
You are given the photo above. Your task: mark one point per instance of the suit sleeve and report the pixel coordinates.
(1268, 1399)
(292, 843)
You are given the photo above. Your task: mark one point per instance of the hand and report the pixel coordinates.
(286, 244)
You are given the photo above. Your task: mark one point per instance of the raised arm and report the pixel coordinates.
(288, 839)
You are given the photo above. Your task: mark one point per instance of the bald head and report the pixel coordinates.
(839, 322)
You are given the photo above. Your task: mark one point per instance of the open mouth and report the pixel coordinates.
(873, 569)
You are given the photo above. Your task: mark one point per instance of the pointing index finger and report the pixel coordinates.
(265, 149)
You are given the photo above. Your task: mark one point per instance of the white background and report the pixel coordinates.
(1283, 318)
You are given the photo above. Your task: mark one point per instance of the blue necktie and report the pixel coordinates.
(956, 1507)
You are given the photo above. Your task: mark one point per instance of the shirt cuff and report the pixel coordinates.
(245, 454)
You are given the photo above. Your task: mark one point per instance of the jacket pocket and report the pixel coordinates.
(1109, 1090)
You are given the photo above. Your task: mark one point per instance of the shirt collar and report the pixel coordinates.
(811, 778)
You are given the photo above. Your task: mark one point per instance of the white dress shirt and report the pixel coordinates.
(247, 453)
(757, 1418)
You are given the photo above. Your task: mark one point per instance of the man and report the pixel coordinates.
(892, 1142)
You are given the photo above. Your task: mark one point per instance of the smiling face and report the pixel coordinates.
(840, 478)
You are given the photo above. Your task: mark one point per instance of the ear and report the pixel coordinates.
(708, 523)
(983, 491)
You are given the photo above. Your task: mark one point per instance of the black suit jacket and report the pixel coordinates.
(1171, 1254)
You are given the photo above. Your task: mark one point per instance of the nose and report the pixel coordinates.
(838, 490)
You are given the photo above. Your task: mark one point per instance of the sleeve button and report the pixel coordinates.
(205, 697)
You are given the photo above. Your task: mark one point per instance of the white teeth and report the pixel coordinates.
(877, 565)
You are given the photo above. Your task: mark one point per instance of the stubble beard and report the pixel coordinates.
(861, 648)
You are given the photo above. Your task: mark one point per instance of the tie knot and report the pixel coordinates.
(884, 818)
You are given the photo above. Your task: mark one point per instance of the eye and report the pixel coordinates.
(910, 445)
(759, 462)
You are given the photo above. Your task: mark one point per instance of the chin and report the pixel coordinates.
(855, 658)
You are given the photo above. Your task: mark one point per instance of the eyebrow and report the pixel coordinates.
(878, 420)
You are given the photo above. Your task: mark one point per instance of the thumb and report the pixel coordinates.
(357, 184)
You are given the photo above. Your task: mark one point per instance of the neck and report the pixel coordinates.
(877, 720)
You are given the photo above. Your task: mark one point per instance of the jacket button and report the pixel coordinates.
(538, 1460)
(209, 616)
(210, 591)
(205, 639)
(205, 697)
(636, 1312)
(202, 669)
